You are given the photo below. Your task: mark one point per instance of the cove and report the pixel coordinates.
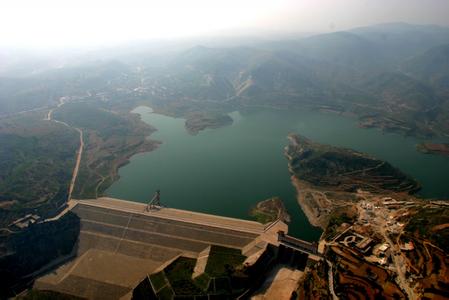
(226, 171)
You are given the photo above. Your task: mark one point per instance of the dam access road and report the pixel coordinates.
(120, 243)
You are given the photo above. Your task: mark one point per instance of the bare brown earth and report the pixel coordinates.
(432, 148)
(280, 284)
(385, 215)
(429, 265)
(440, 227)
(313, 203)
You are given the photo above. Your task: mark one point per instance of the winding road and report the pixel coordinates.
(77, 164)
(49, 117)
(380, 222)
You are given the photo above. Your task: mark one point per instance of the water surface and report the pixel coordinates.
(226, 171)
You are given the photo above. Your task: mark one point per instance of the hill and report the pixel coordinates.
(380, 241)
(343, 169)
(110, 139)
(37, 160)
(432, 67)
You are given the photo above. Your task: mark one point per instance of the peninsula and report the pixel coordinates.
(270, 210)
(376, 232)
(197, 122)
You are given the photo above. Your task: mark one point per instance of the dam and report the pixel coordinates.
(120, 243)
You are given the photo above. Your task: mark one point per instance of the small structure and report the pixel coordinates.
(297, 244)
(155, 202)
(408, 246)
(364, 245)
(382, 261)
(384, 247)
(380, 250)
(355, 240)
(25, 222)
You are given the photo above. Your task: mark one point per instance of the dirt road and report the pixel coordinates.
(396, 256)
(77, 164)
(49, 117)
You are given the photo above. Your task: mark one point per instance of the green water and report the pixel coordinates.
(226, 171)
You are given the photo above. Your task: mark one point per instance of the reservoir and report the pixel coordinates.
(226, 171)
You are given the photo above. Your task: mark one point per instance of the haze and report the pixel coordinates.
(51, 23)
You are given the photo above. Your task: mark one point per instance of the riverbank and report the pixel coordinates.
(433, 148)
(270, 210)
(316, 209)
(374, 226)
(243, 163)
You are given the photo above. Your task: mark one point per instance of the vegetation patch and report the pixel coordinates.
(337, 218)
(176, 279)
(197, 122)
(223, 261)
(109, 138)
(158, 280)
(203, 281)
(165, 294)
(270, 210)
(38, 157)
(344, 169)
(179, 274)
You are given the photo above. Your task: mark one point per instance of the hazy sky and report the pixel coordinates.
(76, 22)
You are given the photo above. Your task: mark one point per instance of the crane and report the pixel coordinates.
(155, 201)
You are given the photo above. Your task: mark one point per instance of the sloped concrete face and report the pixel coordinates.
(280, 284)
(120, 243)
(201, 262)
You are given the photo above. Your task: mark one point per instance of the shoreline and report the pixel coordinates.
(144, 145)
(314, 216)
(441, 149)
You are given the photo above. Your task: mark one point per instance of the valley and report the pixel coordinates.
(206, 125)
